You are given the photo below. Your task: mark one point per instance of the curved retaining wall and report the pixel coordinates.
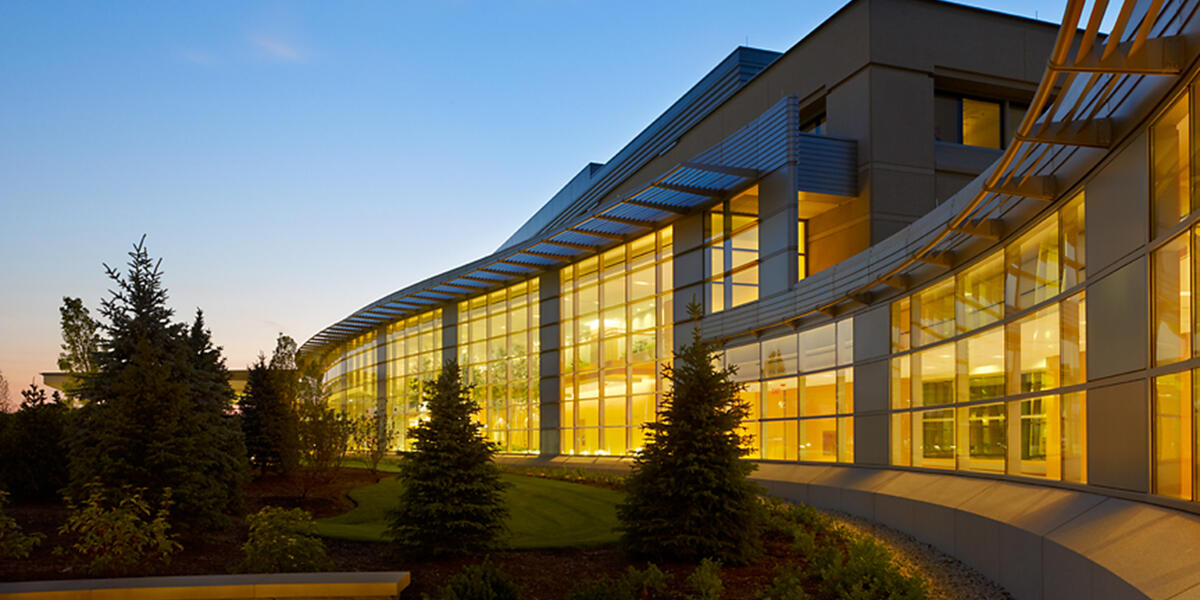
(1038, 542)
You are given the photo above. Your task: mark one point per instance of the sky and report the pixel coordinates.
(291, 162)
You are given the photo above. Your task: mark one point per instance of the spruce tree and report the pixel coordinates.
(154, 413)
(269, 412)
(452, 498)
(689, 497)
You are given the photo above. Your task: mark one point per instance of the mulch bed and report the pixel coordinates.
(541, 574)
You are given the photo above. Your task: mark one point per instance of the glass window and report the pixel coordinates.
(933, 376)
(901, 325)
(981, 123)
(1040, 451)
(934, 431)
(933, 309)
(1033, 268)
(845, 337)
(1074, 243)
(818, 348)
(618, 320)
(1033, 352)
(986, 437)
(901, 450)
(731, 260)
(818, 440)
(901, 382)
(1173, 435)
(779, 356)
(980, 296)
(1170, 153)
(1074, 339)
(985, 365)
(820, 394)
(1172, 302)
(1074, 437)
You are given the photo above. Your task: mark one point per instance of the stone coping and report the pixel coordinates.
(1039, 542)
(378, 584)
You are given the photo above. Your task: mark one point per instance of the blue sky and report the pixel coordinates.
(293, 161)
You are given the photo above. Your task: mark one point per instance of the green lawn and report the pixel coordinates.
(543, 513)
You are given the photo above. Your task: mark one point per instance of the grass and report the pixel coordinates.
(543, 513)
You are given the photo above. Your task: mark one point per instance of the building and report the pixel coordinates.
(887, 225)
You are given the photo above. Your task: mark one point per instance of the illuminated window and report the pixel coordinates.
(986, 445)
(980, 296)
(968, 121)
(498, 347)
(615, 335)
(802, 248)
(933, 313)
(1172, 301)
(731, 261)
(1033, 266)
(1170, 154)
(1173, 435)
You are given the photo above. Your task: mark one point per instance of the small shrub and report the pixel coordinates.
(120, 537)
(787, 585)
(635, 584)
(479, 582)
(283, 541)
(865, 571)
(14, 543)
(705, 581)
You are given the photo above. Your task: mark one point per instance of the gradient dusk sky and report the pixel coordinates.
(292, 161)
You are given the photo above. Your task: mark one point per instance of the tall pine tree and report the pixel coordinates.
(154, 410)
(452, 498)
(688, 496)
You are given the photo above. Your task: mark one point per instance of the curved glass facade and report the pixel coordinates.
(988, 365)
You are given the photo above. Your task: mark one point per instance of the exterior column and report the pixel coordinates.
(381, 377)
(548, 365)
(777, 233)
(449, 332)
(872, 344)
(688, 272)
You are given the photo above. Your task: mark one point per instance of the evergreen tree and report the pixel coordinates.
(688, 497)
(452, 497)
(33, 445)
(154, 414)
(268, 407)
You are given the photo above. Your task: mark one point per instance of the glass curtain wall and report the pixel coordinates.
(615, 335)
(987, 364)
(498, 348)
(351, 379)
(414, 356)
(1175, 398)
(731, 257)
(800, 389)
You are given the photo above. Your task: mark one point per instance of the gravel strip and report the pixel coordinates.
(948, 577)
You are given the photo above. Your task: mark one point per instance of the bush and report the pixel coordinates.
(705, 581)
(14, 543)
(787, 585)
(635, 584)
(120, 537)
(865, 571)
(451, 501)
(689, 496)
(283, 541)
(479, 582)
(615, 481)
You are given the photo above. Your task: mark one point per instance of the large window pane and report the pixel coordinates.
(1172, 302)
(981, 123)
(818, 440)
(933, 309)
(986, 437)
(980, 297)
(935, 435)
(933, 374)
(731, 259)
(818, 348)
(1040, 450)
(1033, 352)
(1033, 267)
(1074, 437)
(1173, 435)
(1170, 153)
(779, 356)
(985, 365)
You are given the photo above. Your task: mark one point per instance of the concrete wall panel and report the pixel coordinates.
(1117, 206)
(1120, 302)
(1118, 424)
(873, 332)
